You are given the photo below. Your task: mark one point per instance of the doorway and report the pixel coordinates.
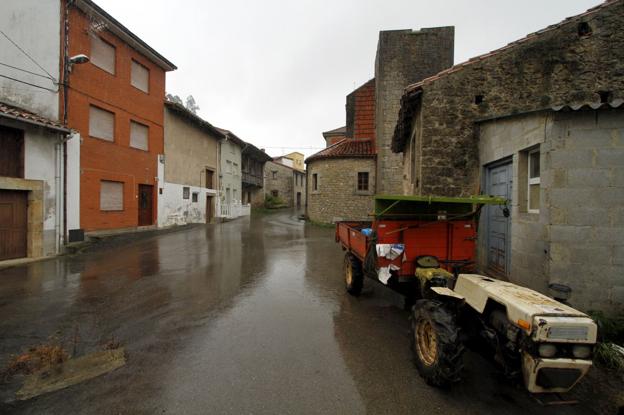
(145, 204)
(13, 224)
(209, 209)
(298, 199)
(499, 181)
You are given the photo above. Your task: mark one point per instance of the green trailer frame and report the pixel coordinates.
(431, 207)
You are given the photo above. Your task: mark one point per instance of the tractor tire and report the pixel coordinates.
(436, 343)
(353, 274)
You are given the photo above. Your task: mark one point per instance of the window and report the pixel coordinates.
(111, 195)
(102, 54)
(139, 77)
(186, 192)
(362, 181)
(194, 199)
(315, 181)
(274, 193)
(228, 167)
(234, 195)
(209, 179)
(235, 168)
(101, 124)
(139, 135)
(533, 191)
(274, 174)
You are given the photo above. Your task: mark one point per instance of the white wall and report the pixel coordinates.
(173, 209)
(233, 181)
(40, 164)
(34, 25)
(73, 182)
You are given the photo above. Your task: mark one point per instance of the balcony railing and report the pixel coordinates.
(252, 179)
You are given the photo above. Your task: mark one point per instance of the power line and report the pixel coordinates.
(295, 148)
(27, 83)
(24, 70)
(27, 55)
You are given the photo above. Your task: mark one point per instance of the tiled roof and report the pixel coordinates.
(511, 45)
(346, 148)
(335, 131)
(19, 114)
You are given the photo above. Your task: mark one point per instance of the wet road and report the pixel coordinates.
(248, 316)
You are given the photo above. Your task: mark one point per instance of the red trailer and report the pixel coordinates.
(417, 226)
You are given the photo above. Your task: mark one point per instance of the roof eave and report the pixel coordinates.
(125, 34)
(57, 129)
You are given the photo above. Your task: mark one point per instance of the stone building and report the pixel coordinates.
(539, 122)
(285, 182)
(403, 57)
(253, 161)
(189, 171)
(341, 181)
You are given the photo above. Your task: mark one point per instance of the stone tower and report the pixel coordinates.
(403, 57)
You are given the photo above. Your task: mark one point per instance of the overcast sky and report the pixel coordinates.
(276, 72)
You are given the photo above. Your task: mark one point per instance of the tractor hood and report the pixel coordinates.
(522, 304)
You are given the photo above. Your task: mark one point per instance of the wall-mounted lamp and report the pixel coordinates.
(77, 60)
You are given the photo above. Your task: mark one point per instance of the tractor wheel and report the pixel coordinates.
(354, 277)
(436, 344)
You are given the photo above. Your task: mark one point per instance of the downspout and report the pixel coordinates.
(65, 67)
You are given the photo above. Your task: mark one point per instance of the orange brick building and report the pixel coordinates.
(116, 103)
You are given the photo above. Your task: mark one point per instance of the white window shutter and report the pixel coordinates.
(111, 195)
(101, 124)
(139, 77)
(139, 136)
(102, 55)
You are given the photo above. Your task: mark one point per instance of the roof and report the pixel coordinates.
(19, 114)
(274, 161)
(197, 120)
(254, 152)
(413, 91)
(336, 131)
(346, 148)
(228, 135)
(92, 9)
(527, 38)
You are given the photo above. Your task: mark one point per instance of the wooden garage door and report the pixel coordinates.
(13, 224)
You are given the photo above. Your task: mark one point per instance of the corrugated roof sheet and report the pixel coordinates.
(20, 114)
(345, 148)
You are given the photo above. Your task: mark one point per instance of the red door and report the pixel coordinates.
(13, 224)
(145, 204)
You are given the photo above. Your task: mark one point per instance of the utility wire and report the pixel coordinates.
(27, 71)
(29, 57)
(27, 83)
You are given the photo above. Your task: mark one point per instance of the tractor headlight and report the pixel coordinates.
(547, 350)
(581, 351)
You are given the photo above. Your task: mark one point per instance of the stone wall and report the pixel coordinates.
(336, 197)
(580, 60)
(403, 57)
(299, 186)
(278, 177)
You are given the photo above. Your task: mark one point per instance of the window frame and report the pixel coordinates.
(186, 192)
(148, 135)
(122, 196)
(134, 61)
(532, 181)
(315, 182)
(358, 182)
(112, 140)
(114, 73)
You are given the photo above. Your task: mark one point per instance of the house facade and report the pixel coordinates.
(34, 142)
(189, 170)
(230, 178)
(284, 182)
(115, 102)
(538, 122)
(252, 162)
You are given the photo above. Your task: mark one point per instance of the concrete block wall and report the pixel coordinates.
(403, 57)
(586, 199)
(337, 197)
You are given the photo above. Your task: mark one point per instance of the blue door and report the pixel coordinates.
(498, 183)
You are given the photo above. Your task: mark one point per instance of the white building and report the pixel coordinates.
(35, 215)
(230, 177)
